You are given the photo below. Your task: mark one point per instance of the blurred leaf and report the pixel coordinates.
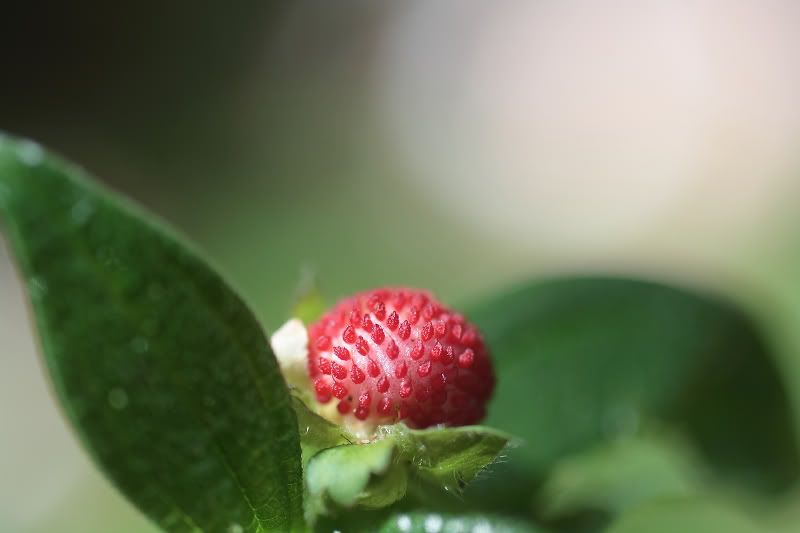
(427, 522)
(583, 360)
(618, 475)
(309, 308)
(163, 371)
(309, 304)
(687, 516)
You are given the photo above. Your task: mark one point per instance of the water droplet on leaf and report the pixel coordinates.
(140, 345)
(118, 398)
(81, 211)
(30, 153)
(37, 288)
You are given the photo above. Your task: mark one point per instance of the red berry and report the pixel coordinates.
(410, 358)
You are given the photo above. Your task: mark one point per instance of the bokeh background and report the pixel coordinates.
(458, 145)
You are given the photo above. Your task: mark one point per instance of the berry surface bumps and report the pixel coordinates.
(391, 355)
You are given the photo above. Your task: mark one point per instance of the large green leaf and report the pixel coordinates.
(583, 360)
(163, 371)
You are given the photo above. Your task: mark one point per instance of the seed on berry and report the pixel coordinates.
(366, 323)
(323, 390)
(324, 365)
(449, 356)
(455, 332)
(392, 350)
(362, 346)
(378, 336)
(357, 375)
(385, 406)
(339, 390)
(436, 352)
(364, 399)
(341, 353)
(380, 311)
(417, 350)
(424, 369)
(373, 369)
(392, 321)
(405, 330)
(400, 369)
(427, 332)
(405, 388)
(466, 358)
(338, 371)
(383, 384)
(323, 343)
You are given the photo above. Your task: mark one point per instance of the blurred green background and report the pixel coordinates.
(461, 146)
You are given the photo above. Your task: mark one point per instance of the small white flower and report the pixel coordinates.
(290, 345)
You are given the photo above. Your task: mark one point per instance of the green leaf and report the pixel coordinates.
(427, 522)
(581, 360)
(621, 474)
(378, 472)
(163, 371)
(450, 457)
(364, 465)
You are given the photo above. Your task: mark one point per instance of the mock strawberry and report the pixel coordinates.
(388, 355)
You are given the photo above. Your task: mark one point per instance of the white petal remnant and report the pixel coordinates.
(290, 345)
